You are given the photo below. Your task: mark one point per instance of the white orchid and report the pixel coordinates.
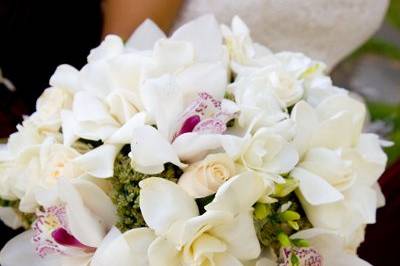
(75, 219)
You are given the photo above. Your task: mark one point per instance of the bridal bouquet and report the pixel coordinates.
(202, 148)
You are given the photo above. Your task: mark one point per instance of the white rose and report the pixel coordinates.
(203, 178)
(48, 108)
(269, 153)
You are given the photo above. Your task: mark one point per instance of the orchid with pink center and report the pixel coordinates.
(181, 134)
(75, 223)
(51, 233)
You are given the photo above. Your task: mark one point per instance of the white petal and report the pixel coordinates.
(305, 122)
(65, 77)
(205, 36)
(150, 151)
(163, 202)
(163, 253)
(192, 146)
(10, 217)
(83, 225)
(98, 162)
(145, 36)
(20, 251)
(238, 194)
(87, 107)
(109, 48)
(225, 259)
(162, 99)
(128, 249)
(210, 78)
(69, 125)
(124, 134)
(171, 56)
(97, 201)
(315, 189)
(240, 230)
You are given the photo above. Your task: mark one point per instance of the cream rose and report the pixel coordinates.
(203, 178)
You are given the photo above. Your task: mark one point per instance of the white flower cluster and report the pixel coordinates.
(237, 119)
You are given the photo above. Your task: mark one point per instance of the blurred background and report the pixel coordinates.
(37, 36)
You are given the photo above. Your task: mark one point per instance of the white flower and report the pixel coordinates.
(268, 153)
(339, 166)
(40, 167)
(76, 218)
(203, 178)
(216, 237)
(48, 108)
(331, 247)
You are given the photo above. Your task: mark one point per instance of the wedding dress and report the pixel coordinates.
(326, 30)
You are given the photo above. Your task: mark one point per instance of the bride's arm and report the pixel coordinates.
(121, 17)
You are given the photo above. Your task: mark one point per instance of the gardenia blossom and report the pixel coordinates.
(343, 163)
(179, 236)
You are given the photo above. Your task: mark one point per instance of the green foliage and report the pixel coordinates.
(393, 14)
(273, 226)
(125, 194)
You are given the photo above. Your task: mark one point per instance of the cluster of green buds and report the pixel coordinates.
(126, 191)
(275, 222)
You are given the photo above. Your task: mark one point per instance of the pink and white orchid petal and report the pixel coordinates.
(20, 251)
(128, 249)
(98, 162)
(111, 46)
(65, 77)
(145, 36)
(205, 35)
(124, 134)
(97, 201)
(163, 203)
(238, 194)
(315, 189)
(150, 151)
(162, 99)
(82, 224)
(234, 234)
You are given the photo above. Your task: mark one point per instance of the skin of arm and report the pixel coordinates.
(121, 17)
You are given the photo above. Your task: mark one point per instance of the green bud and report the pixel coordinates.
(289, 215)
(294, 260)
(261, 210)
(302, 243)
(294, 225)
(283, 240)
(284, 189)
